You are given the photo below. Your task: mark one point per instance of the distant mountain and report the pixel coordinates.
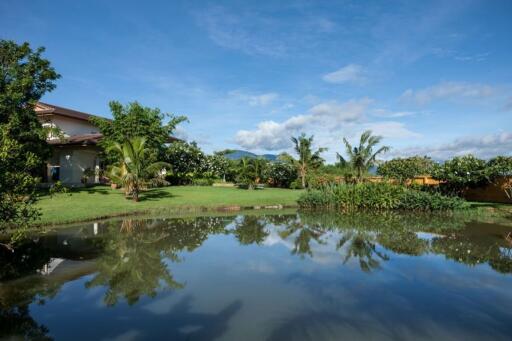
(239, 154)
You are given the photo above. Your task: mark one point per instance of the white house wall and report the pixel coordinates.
(72, 126)
(73, 162)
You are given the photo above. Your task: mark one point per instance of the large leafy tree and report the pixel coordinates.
(364, 156)
(307, 158)
(134, 168)
(187, 161)
(461, 173)
(25, 76)
(406, 169)
(134, 120)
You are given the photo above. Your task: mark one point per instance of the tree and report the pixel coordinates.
(187, 161)
(281, 174)
(461, 173)
(307, 159)
(24, 78)
(246, 173)
(134, 168)
(216, 166)
(135, 120)
(362, 157)
(500, 167)
(406, 169)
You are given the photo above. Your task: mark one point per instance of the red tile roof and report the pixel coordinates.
(50, 109)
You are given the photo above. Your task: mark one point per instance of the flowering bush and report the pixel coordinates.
(462, 172)
(406, 169)
(281, 174)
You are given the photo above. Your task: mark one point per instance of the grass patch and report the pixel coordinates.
(84, 204)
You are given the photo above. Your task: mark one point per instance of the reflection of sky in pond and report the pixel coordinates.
(265, 291)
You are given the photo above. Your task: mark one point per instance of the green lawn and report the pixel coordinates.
(100, 202)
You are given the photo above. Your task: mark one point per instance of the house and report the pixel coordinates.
(75, 149)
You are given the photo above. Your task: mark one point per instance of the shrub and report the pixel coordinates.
(460, 173)
(404, 170)
(420, 200)
(280, 174)
(203, 182)
(377, 196)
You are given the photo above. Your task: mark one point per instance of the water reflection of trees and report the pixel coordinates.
(368, 238)
(136, 254)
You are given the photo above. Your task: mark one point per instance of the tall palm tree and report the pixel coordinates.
(308, 160)
(362, 157)
(133, 169)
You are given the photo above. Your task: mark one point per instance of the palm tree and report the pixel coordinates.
(308, 160)
(246, 173)
(363, 157)
(133, 170)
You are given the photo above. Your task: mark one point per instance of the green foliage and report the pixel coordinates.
(376, 196)
(462, 172)
(251, 172)
(24, 78)
(203, 182)
(281, 174)
(135, 120)
(216, 166)
(403, 170)
(308, 159)
(362, 157)
(134, 170)
(187, 162)
(500, 166)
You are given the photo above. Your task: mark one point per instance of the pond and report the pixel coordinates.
(263, 276)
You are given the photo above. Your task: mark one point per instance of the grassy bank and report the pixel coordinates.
(100, 202)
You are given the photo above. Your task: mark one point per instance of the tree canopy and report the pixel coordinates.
(134, 120)
(25, 76)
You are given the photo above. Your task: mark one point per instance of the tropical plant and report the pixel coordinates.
(247, 174)
(136, 120)
(404, 170)
(307, 159)
(362, 157)
(134, 170)
(24, 78)
(377, 196)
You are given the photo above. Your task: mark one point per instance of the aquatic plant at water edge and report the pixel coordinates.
(377, 196)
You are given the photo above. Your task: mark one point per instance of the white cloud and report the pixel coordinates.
(449, 90)
(392, 114)
(390, 129)
(350, 73)
(328, 121)
(254, 100)
(484, 146)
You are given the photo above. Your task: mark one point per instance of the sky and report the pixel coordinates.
(431, 77)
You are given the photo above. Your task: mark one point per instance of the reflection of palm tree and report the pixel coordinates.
(362, 247)
(251, 229)
(304, 237)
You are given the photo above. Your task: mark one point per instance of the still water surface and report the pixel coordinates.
(307, 276)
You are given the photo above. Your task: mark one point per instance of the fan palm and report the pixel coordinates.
(133, 169)
(362, 157)
(308, 160)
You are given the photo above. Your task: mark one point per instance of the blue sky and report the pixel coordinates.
(432, 77)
